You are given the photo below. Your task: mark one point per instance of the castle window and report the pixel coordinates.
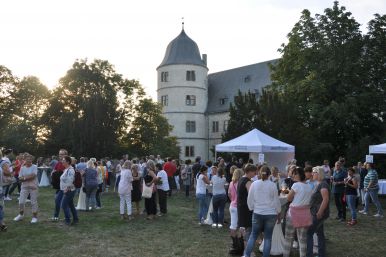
(190, 75)
(223, 100)
(164, 100)
(247, 79)
(190, 100)
(189, 151)
(190, 126)
(225, 126)
(164, 76)
(215, 126)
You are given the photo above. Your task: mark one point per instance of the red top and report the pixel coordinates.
(59, 166)
(17, 167)
(170, 168)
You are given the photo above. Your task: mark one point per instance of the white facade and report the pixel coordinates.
(197, 104)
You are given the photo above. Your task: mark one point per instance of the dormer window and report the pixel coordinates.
(191, 100)
(164, 76)
(190, 75)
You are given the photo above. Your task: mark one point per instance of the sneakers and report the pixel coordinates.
(219, 225)
(34, 220)
(18, 217)
(378, 215)
(7, 198)
(214, 225)
(3, 228)
(54, 219)
(295, 244)
(363, 212)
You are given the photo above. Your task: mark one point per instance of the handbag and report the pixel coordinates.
(147, 191)
(300, 216)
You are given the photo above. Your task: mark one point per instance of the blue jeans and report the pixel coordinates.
(1, 214)
(68, 205)
(218, 208)
(261, 223)
(202, 206)
(58, 202)
(351, 202)
(373, 193)
(318, 228)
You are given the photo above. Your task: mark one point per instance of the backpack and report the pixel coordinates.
(78, 179)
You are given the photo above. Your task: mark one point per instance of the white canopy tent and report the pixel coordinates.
(377, 149)
(276, 153)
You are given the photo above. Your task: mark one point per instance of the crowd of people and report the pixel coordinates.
(260, 197)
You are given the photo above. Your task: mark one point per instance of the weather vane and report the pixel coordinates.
(182, 22)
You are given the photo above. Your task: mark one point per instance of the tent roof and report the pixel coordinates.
(254, 141)
(377, 148)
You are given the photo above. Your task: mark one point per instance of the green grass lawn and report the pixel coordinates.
(102, 233)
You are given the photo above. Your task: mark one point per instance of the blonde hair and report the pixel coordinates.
(90, 164)
(237, 174)
(150, 164)
(126, 165)
(232, 169)
(320, 171)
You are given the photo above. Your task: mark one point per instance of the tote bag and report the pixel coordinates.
(147, 191)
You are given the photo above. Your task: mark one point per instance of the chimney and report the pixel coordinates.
(205, 59)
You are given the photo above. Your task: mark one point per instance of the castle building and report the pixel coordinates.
(196, 103)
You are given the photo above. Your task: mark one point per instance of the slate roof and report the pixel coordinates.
(182, 50)
(224, 85)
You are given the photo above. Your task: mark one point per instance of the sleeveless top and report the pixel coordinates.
(200, 188)
(351, 190)
(243, 212)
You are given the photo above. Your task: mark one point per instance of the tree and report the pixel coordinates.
(322, 73)
(90, 110)
(149, 132)
(243, 115)
(27, 102)
(7, 85)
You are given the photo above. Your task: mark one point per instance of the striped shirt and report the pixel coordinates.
(372, 176)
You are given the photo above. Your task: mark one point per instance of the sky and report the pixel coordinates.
(44, 38)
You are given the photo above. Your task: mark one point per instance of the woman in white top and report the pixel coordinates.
(219, 196)
(263, 200)
(202, 181)
(68, 188)
(124, 190)
(299, 196)
(29, 186)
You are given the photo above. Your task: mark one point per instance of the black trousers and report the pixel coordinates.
(162, 201)
(340, 205)
(151, 205)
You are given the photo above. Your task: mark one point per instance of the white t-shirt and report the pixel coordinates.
(26, 171)
(165, 183)
(303, 194)
(201, 186)
(218, 185)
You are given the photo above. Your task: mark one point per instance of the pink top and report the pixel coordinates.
(232, 193)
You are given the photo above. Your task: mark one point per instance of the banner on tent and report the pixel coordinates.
(369, 158)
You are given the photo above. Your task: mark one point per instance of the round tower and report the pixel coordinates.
(183, 92)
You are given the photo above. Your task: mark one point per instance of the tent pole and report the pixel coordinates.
(215, 156)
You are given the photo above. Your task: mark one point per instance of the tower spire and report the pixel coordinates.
(183, 23)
